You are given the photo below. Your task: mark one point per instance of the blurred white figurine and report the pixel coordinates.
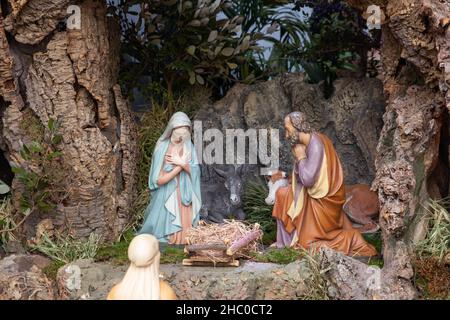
(141, 281)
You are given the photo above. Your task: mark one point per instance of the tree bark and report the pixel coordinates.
(415, 53)
(50, 71)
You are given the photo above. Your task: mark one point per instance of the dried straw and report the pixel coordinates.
(225, 233)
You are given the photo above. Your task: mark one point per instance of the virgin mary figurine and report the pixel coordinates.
(174, 183)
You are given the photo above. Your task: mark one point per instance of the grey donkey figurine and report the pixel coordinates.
(222, 196)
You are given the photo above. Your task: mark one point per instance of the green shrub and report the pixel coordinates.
(315, 282)
(284, 255)
(43, 175)
(176, 42)
(257, 211)
(437, 241)
(51, 270)
(7, 223)
(66, 249)
(432, 275)
(117, 252)
(172, 255)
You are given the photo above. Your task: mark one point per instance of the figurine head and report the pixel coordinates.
(178, 129)
(141, 281)
(297, 128)
(144, 250)
(180, 134)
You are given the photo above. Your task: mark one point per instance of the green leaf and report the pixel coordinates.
(195, 23)
(227, 52)
(18, 170)
(348, 66)
(211, 55)
(204, 21)
(4, 188)
(156, 42)
(54, 155)
(232, 65)
(35, 147)
(212, 35)
(191, 77)
(191, 50)
(218, 49)
(245, 43)
(45, 206)
(187, 5)
(151, 28)
(25, 149)
(24, 154)
(51, 124)
(200, 79)
(345, 55)
(57, 139)
(250, 77)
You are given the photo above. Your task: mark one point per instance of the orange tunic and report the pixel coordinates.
(321, 221)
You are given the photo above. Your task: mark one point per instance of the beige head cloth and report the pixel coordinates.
(141, 281)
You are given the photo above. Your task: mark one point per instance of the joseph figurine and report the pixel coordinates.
(309, 211)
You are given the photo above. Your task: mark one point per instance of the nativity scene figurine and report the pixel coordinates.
(309, 210)
(174, 182)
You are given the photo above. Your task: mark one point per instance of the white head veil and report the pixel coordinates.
(141, 281)
(178, 119)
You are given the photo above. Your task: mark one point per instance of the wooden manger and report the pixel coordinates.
(221, 244)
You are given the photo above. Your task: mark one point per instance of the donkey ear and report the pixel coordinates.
(241, 169)
(220, 172)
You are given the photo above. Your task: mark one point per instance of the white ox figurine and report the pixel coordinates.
(361, 204)
(277, 180)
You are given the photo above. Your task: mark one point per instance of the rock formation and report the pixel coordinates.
(352, 117)
(21, 278)
(252, 281)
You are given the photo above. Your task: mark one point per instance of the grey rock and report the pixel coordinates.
(21, 278)
(252, 280)
(352, 117)
(14, 247)
(350, 279)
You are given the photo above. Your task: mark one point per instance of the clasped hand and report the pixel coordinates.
(177, 160)
(299, 151)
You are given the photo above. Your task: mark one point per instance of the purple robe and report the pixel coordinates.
(307, 171)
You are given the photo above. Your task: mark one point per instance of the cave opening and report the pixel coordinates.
(439, 182)
(6, 174)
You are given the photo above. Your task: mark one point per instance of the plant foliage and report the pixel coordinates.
(437, 240)
(66, 249)
(258, 211)
(175, 42)
(43, 169)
